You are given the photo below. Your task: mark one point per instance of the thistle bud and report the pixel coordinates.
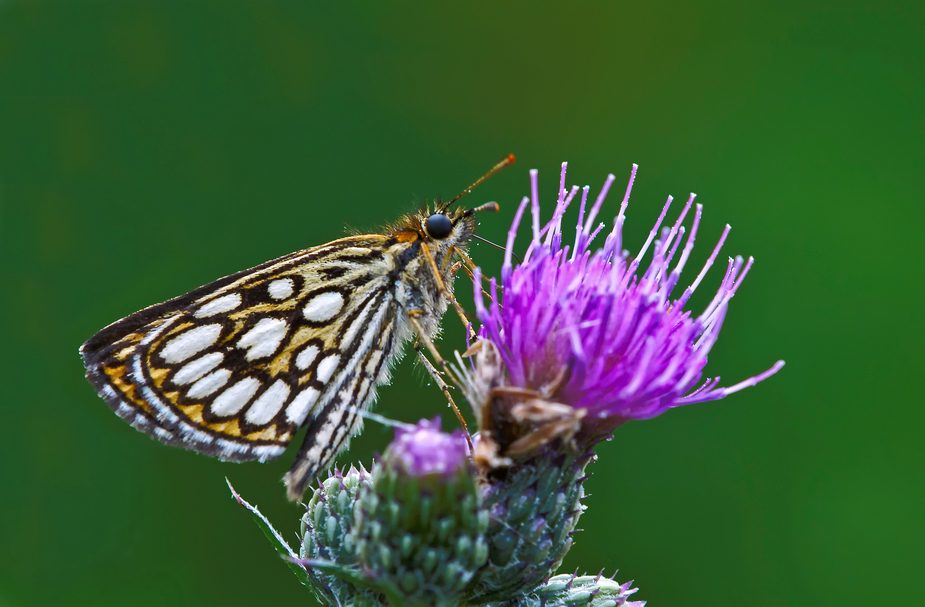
(419, 528)
(534, 507)
(327, 538)
(584, 591)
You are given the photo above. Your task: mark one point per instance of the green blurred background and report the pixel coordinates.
(148, 148)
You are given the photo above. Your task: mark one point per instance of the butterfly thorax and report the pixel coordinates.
(417, 288)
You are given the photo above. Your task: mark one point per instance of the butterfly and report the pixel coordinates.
(235, 368)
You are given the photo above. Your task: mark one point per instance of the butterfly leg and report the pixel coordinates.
(455, 267)
(438, 278)
(469, 266)
(464, 260)
(449, 257)
(467, 260)
(470, 330)
(425, 341)
(445, 389)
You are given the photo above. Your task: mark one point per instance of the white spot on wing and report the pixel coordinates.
(225, 303)
(298, 410)
(323, 307)
(326, 367)
(268, 404)
(280, 289)
(209, 384)
(306, 357)
(264, 338)
(234, 398)
(193, 370)
(190, 343)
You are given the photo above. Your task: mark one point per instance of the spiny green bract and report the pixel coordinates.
(423, 537)
(386, 538)
(572, 591)
(534, 509)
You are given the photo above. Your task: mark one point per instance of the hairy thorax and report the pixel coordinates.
(424, 264)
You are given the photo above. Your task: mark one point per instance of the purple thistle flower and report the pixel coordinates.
(422, 450)
(591, 330)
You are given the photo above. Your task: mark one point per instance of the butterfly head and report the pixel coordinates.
(445, 229)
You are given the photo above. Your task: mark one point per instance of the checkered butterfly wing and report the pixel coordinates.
(234, 368)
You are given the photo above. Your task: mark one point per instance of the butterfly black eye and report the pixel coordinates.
(439, 226)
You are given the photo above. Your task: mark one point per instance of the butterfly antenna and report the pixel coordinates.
(508, 160)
